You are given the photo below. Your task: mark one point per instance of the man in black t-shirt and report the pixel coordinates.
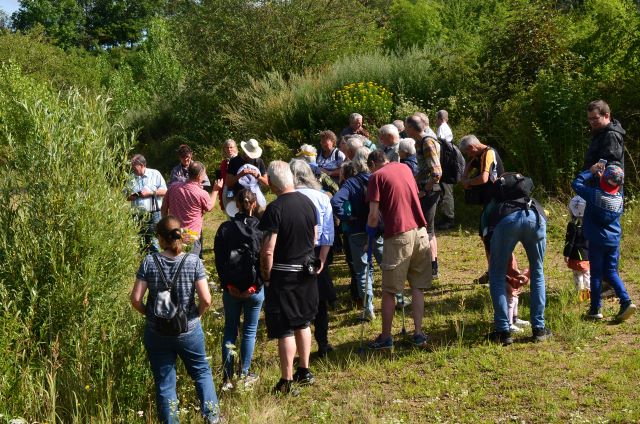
(249, 155)
(291, 293)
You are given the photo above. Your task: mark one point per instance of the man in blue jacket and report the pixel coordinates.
(601, 228)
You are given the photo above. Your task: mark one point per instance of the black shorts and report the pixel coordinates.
(291, 303)
(429, 203)
(278, 327)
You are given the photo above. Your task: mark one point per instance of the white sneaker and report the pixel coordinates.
(514, 329)
(522, 323)
(226, 386)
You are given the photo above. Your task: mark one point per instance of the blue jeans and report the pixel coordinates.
(521, 226)
(603, 261)
(162, 352)
(358, 245)
(233, 307)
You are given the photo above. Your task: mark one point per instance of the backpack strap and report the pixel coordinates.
(169, 285)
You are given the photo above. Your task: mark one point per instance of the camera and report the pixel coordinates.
(311, 266)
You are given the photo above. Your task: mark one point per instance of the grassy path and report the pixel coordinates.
(588, 372)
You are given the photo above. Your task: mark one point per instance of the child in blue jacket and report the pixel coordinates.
(601, 228)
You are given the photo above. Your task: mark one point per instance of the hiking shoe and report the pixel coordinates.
(541, 334)
(626, 311)
(379, 343)
(483, 279)
(593, 315)
(324, 350)
(303, 377)
(501, 337)
(515, 329)
(285, 387)
(227, 386)
(521, 323)
(248, 381)
(420, 340)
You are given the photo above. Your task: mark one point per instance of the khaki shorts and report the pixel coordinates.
(406, 256)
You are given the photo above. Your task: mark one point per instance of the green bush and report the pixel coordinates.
(296, 109)
(370, 99)
(68, 344)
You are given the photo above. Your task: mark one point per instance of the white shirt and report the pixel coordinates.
(444, 132)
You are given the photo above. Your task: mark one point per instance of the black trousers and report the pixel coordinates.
(326, 294)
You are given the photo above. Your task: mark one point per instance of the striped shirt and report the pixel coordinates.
(192, 271)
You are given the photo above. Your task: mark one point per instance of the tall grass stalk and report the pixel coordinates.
(67, 256)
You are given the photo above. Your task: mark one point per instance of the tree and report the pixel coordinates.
(63, 20)
(89, 23)
(413, 22)
(117, 22)
(5, 21)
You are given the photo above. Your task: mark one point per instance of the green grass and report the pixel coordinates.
(588, 372)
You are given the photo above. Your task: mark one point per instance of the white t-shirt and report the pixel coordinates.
(444, 132)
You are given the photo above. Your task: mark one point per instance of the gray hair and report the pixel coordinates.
(280, 175)
(467, 141)
(399, 123)
(303, 175)
(354, 142)
(359, 161)
(389, 129)
(229, 142)
(443, 115)
(407, 145)
(138, 159)
(353, 117)
(423, 117)
(307, 153)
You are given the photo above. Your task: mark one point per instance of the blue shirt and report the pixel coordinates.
(152, 180)
(352, 192)
(331, 163)
(324, 215)
(601, 221)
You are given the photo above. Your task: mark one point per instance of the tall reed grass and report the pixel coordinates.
(67, 257)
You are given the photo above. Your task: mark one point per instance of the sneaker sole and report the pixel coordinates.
(631, 309)
(598, 317)
(381, 347)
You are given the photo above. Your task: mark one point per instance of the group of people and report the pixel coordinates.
(371, 201)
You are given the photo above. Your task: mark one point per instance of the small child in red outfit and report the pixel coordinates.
(576, 253)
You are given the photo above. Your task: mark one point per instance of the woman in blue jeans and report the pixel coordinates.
(237, 249)
(186, 272)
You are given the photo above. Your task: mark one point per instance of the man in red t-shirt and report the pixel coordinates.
(188, 202)
(393, 195)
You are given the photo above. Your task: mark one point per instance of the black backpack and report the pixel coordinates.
(451, 161)
(511, 186)
(238, 252)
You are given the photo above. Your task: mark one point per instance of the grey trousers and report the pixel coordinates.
(446, 204)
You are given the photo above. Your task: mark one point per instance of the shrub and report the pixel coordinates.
(368, 98)
(67, 257)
